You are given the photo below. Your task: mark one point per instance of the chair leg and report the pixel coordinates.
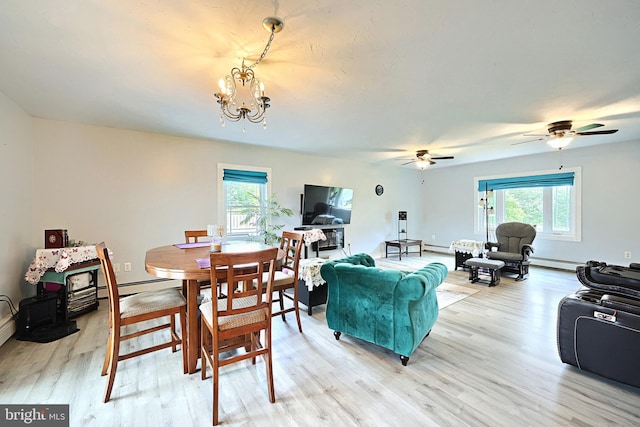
(183, 339)
(172, 328)
(281, 300)
(296, 308)
(215, 366)
(113, 363)
(108, 354)
(269, 365)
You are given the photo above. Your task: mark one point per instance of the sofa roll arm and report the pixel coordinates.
(417, 285)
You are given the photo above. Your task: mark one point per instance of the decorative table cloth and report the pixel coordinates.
(472, 247)
(59, 259)
(309, 271)
(313, 235)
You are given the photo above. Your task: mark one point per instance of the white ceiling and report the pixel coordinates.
(371, 79)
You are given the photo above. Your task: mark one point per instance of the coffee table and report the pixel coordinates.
(402, 244)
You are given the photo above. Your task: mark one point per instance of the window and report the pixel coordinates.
(548, 200)
(241, 190)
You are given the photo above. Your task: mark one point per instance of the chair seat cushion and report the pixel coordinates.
(150, 301)
(279, 278)
(505, 256)
(235, 321)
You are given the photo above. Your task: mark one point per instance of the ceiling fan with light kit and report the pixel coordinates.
(424, 159)
(559, 134)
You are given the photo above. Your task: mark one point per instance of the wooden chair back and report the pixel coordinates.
(246, 291)
(192, 236)
(110, 281)
(291, 243)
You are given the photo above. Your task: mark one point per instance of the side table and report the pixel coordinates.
(312, 288)
(402, 244)
(465, 249)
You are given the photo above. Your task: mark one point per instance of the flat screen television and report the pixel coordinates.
(326, 205)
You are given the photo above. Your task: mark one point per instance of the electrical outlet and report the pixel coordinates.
(116, 267)
(127, 266)
(627, 255)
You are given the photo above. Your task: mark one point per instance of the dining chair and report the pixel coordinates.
(137, 308)
(286, 277)
(237, 321)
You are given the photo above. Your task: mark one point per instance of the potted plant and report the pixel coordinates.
(261, 214)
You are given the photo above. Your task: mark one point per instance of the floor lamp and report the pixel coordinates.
(487, 210)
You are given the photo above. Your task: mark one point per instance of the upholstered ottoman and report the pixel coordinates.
(490, 265)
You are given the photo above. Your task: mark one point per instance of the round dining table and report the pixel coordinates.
(189, 263)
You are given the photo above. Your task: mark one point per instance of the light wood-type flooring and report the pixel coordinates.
(490, 360)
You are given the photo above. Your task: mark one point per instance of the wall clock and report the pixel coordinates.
(379, 190)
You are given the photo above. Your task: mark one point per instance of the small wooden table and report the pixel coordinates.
(171, 262)
(402, 243)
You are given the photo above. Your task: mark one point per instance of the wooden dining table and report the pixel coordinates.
(180, 262)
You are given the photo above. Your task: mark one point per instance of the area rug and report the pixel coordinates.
(446, 293)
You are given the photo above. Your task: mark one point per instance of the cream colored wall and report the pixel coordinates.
(137, 190)
(15, 209)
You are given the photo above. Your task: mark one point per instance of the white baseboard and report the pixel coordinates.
(541, 262)
(7, 329)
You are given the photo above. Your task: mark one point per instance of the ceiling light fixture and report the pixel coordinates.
(560, 141)
(422, 164)
(247, 100)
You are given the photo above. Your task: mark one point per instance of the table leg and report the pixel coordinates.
(193, 349)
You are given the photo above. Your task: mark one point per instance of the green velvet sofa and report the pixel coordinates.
(390, 308)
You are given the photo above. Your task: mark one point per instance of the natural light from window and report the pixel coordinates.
(554, 210)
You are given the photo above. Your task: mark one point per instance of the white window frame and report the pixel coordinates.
(576, 206)
(222, 197)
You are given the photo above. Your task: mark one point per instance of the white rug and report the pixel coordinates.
(447, 293)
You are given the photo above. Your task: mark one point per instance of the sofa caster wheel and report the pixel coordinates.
(337, 334)
(404, 360)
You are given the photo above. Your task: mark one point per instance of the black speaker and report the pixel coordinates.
(402, 215)
(35, 312)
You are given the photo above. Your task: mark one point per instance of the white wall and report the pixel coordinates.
(610, 202)
(137, 190)
(16, 179)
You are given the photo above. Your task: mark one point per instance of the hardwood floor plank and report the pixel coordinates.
(491, 360)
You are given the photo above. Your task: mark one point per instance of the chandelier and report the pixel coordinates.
(241, 95)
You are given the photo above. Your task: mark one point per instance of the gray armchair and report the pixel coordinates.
(513, 246)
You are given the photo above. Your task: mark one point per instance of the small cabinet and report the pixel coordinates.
(76, 288)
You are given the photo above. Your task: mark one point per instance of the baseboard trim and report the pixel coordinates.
(7, 329)
(539, 262)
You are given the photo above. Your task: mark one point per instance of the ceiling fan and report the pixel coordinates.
(424, 159)
(559, 134)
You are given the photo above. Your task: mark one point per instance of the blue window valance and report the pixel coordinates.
(252, 177)
(547, 180)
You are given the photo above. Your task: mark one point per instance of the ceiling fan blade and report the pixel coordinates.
(412, 161)
(442, 157)
(589, 127)
(598, 132)
(530, 140)
(536, 134)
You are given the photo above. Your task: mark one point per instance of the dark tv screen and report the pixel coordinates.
(326, 205)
